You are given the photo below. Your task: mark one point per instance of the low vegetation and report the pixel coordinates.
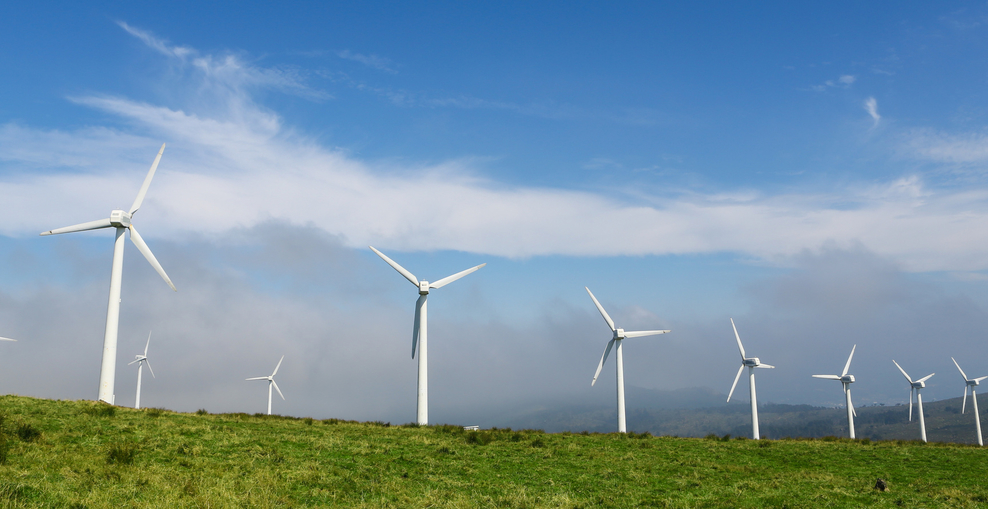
(86, 454)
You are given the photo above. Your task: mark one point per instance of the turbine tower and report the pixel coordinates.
(271, 383)
(142, 360)
(420, 328)
(971, 383)
(845, 380)
(751, 363)
(915, 386)
(619, 335)
(121, 221)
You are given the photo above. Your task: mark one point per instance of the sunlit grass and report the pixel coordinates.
(85, 454)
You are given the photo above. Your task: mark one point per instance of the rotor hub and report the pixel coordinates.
(423, 288)
(119, 219)
(619, 334)
(848, 379)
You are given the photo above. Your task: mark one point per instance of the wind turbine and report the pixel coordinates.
(122, 222)
(271, 383)
(420, 328)
(845, 380)
(619, 335)
(971, 383)
(142, 360)
(751, 363)
(915, 386)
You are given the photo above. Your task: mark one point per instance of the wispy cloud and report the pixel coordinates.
(944, 147)
(844, 81)
(871, 106)
(372, 61)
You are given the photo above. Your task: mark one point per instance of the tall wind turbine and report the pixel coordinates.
(971, 383)
(751, 363)
(915, 386)
(619, 335)
(271, 383)
(142, 360)
(420, 328)
(845, 380)
(121, 221)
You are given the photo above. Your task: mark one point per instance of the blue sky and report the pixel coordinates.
(816, 172)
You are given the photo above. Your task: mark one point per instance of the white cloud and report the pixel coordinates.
(871, 106)
(373, 61)
(943, 147)
(844, 81)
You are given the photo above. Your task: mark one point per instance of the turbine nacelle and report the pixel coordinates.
(619, 334)
(120, 219)
(423, 288)
(752, 362)
(848, 379)
(972, 383)
(918, 385)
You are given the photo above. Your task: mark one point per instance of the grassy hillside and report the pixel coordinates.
(84, 454)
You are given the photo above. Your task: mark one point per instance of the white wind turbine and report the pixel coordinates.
(122, 222)
(751, 363)
(971, 383)
(142, 360)
(420, 328)
(619, 335)
(845, 380)
(271, 383)
(915, 386)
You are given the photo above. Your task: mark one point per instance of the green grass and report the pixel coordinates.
(85, 454)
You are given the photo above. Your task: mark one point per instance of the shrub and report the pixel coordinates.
(101, 409)
(121, 454)
(448, 428)
(725, 438)
(479, 437)
(538, 442)
(28, 433)
(154, 412)
(308, 421)
(411, 425)
(381, 424)
(202, 411)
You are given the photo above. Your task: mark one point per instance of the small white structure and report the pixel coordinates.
(971, 383)
(845, 380)
(914, 387)
(142, 359)
(617, 338)
(751, 363)
(471, 428)
(271, 383)
(420, 328)
(121, 221)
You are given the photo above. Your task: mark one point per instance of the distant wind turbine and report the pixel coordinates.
(122, 222)
(751, 363)
(971, 383)
(845, 380)
(271, 383)
(914, 387)
(420, 329)
(618, 337)
(142, 360)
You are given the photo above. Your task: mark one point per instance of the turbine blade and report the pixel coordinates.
(147, 182)
(133, 361)
(607, 318)
(278, 366)
(642, 333)
(149, 367)
(740, 346)
(959, 369)
(7, 339)
(903, 371)
(925, 378)
(828, 377)
(603, 358)
(81, 227)
(849, 402)
(401, 270)
(911, 390)
(976, 379)
(848, 365)
(735, 383)
(418, 322)
(964, 404)
(449, 279)
(147, 345)
(277, 389)
(146, 251)
(257, 378)
(766, 366)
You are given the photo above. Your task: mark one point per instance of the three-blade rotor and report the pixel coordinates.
(843, 377)
(270, 378)
(618, 335)
(751, 362)
(914, 386)
(121, 219)
(144, 358)
(969, 384)
(424, 287)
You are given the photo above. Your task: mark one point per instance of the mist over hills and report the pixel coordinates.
(700, 411)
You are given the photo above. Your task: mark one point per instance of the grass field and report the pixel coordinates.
(84, 454)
